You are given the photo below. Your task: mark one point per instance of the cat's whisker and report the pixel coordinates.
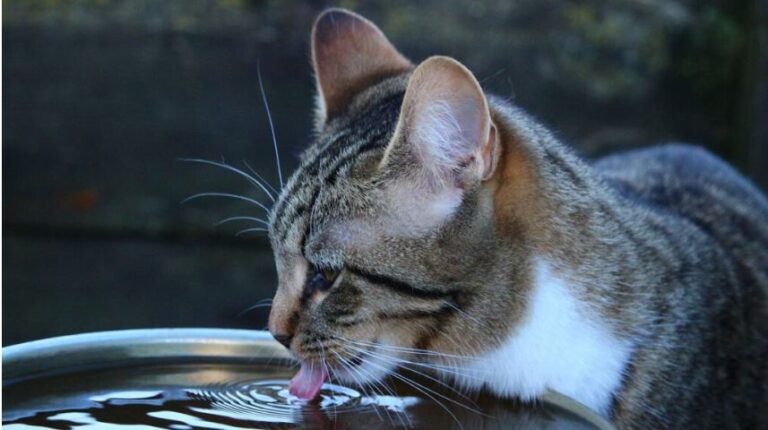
(384, 347)
(226, 195)
(449, 369)
(326, 370)
(372, 384)
(226, 166)
(253, 308)
(393, 360)
(242, 218)
(464, 313)
(251, 230)
(422, 374)
(271, 125)
(401, 415)
(357, 377)
(429, 393)
(255, 173)
(415, 351)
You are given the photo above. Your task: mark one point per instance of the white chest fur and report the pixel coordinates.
(560, 345)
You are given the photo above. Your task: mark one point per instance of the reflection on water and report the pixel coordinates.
(269, 401)
(249, 398)
(224, 406)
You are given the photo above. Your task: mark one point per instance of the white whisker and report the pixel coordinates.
(242, 218)
(385, 390)
(426, 391)
(267, 183)
(359, 379)
(227, 195)
(414, 351)
(236, 170)
(271, 125)
(250, 230)
(253, 308)
(450, 369)
(400, 361)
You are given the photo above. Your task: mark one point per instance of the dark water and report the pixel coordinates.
(231, 397)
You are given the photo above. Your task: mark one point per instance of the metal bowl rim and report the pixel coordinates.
(142, 346)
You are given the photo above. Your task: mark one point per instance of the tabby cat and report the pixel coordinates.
(432, 222)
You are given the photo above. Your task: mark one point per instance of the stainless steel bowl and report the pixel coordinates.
(107, 352)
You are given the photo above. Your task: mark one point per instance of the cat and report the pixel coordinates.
(435, 225)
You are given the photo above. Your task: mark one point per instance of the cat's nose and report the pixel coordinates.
(284, 316)
(284, 339)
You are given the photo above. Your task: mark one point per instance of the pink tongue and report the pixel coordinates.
(306, 384)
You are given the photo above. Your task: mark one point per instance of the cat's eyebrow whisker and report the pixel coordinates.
(236, 170)
(226, 195)
(271, 124)
(242, 218)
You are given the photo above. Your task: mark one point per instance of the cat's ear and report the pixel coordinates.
(444, 143)
(348, 54)
(445, 125)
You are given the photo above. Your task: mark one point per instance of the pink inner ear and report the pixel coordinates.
(348, 52)
(448, 118)
(469, 115)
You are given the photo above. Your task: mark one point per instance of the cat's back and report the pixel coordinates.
(702, 202)
(692, 183)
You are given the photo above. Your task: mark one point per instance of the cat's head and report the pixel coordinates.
(383, 237)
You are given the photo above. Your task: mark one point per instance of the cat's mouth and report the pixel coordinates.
(361, 368)
(308, 381)
(312, 374)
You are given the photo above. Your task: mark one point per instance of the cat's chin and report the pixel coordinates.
(369, 369)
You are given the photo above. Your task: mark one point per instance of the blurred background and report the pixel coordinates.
(101, 98)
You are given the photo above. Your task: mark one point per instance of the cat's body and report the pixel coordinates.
(705, 358)
(429, 221)
(663, 255)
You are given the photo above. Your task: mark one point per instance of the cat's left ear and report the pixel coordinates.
(445, 125)
(444, 144)
(348, 54)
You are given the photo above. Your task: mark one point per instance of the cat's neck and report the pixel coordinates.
(546, 192)
(599, 242)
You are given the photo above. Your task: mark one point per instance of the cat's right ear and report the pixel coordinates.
(348, 54)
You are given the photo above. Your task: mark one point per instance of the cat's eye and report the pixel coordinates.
(322, 280)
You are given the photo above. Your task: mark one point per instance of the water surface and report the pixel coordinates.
(235, 397)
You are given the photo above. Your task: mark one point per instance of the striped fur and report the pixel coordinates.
(663, 251)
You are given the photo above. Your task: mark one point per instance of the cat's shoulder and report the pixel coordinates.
(673, 171)
(680, 159)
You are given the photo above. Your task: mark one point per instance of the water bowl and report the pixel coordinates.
(185, 379)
